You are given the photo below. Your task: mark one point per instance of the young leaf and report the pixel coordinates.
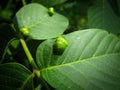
(14, 76)
(102, 16)
(40, 25)
(90, 62)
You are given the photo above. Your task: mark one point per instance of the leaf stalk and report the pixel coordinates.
(23, 2)
(28, 54)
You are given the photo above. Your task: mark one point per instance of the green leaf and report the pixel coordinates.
(38, 87)
(35, 18)
(49, 2)
(6, 36)
(90, 62)
(14, 76)
(102, 16)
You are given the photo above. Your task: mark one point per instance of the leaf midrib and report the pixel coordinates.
(26, 80)
(38, 22)
(78, 61)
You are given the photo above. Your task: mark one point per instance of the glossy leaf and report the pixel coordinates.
(6, 36)
(35, 18)
(14, 76)
(103, 16)
(90, 62)
(49, 2)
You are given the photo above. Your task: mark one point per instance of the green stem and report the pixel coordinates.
(12, 25)
(23, 2)
(28, 54)
(34, 66)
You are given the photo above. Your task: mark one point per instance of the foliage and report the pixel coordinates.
(60, 45)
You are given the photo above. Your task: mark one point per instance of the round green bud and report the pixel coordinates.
(60, 45)
(24, 31)
(51, 11)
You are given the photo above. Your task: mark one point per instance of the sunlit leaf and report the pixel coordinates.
(90, 62)
(35, 18)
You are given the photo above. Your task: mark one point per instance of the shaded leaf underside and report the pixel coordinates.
(14, 76)
(102, 16)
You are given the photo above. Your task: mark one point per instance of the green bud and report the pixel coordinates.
(60, 45)
(51, 11)
(24, 31)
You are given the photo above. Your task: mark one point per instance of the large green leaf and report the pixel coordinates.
(14, 76)
(102, 16)
(49, 2)
(39, 23)
(91, 62)
(6, 36)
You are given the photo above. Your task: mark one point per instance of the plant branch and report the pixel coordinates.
(28, 54)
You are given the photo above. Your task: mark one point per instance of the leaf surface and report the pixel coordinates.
(102, 16)
(39, 23)
(90, 62)
(14, 76)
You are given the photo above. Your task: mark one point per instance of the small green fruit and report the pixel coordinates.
(60, 45)
(24, 31)
(51, 11)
